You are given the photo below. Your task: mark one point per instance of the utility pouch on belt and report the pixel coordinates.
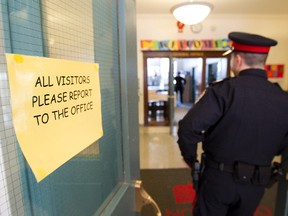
(262, 176)
(243, 173)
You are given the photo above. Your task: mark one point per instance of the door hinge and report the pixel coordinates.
(143, 198)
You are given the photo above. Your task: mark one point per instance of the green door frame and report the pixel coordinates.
(123, 202)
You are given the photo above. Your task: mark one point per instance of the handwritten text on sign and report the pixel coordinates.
(56, 108)
(62, 97)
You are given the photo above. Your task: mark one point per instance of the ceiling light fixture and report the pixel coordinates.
(191, 13)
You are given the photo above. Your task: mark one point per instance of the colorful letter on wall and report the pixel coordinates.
(175, 45)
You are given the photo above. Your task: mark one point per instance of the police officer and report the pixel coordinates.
(179, 85)
(242, 123)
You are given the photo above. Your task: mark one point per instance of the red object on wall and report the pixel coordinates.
(275, 70)
(180, 26)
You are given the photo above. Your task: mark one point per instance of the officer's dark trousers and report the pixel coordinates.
(219, 195)
(180, 90)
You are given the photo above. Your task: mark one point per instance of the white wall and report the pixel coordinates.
(163, 27)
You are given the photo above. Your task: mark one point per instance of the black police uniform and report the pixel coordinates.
(179, 86)
(242, 119)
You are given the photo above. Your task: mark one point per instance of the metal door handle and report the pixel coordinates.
(143, 198)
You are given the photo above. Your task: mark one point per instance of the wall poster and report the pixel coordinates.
(275, 70)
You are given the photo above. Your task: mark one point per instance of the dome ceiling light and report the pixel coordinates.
(191, 13)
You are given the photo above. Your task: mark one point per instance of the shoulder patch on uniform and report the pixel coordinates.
(220, 81)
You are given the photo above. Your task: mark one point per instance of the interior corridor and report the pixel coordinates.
(159, 148)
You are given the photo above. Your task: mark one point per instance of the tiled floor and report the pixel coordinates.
(159, 148)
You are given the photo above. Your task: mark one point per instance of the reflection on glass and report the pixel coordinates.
(216, 69)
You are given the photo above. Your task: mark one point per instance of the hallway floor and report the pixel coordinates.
(159, 148)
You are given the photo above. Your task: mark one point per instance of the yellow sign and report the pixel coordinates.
(56, 108)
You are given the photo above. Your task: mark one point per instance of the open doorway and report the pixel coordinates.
(164, 104)
(187, 74)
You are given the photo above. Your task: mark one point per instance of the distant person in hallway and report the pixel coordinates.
(242, 123)
(179, 85)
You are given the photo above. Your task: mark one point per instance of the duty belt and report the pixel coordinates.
(248, 173)
(219, 165)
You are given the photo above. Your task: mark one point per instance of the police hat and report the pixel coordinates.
(250, 43)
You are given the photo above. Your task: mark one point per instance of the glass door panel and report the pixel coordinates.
(216, 69)
(190, 69)
(158, 85)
